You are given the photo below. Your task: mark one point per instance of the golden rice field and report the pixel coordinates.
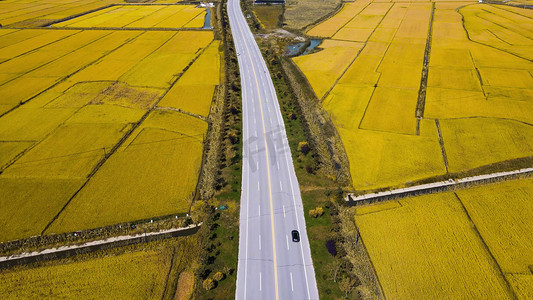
(167, 147)
(32, 13)
(472, 244)
(194, 90)
(133, 275)
(79, 114)
(427, 249)
(479, 87)
(140, 16)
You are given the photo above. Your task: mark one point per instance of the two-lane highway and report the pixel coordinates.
(271, 265)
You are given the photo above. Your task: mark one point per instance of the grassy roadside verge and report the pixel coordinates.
(216, 276)
(334, 270)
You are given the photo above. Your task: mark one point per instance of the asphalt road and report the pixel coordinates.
(271, 265)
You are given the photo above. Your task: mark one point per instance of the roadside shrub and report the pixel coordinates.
(218, 276)
(291, 116)
(304, 147)
(208, 284)
(317, 212)
(233, 137)
(332, 249)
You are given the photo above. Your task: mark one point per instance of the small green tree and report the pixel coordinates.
(304, 147)
(317, 212)
(218, 276)
(208, 284)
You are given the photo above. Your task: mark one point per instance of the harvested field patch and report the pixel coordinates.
(303, 13)
(127, 96)
(268, 15)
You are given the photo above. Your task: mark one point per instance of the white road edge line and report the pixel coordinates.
(287, 238)
(292, 285)
(260, 284)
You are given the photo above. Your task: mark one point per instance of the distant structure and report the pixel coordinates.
(269, 1)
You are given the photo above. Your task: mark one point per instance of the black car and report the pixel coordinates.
(295, 236)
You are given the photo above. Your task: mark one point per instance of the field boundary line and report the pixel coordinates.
(441, 142)
(70, 75)
(130, 132)
(320, 20)
(439, 186)
(344, 25)
(480, 43)
(421, 101)
(70, 250)
(493, 260)
(326, 94)
(365, 250)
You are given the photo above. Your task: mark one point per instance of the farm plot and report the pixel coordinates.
(193, 92)
(139, 16)
(73, 110)
(477, 87)
(133, 275)
(426, 248)
(154, 173)
(29, 204)
(503, 214)
(34, 13)
(324, 67)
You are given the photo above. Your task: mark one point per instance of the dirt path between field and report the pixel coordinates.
(70, 250)
(439, 186)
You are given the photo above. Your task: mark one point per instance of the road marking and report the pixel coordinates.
(259, 208)
(298, 226)
(259, 242)
(260, 283)
(292, 285)
(287, 238)
(284, 215)
(257, 165)
(274, 258)
(277, 162)
(281, 186)
(258, 186)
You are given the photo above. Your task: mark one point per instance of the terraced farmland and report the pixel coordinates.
(419, 90)
(81, 123)
(426, 246)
